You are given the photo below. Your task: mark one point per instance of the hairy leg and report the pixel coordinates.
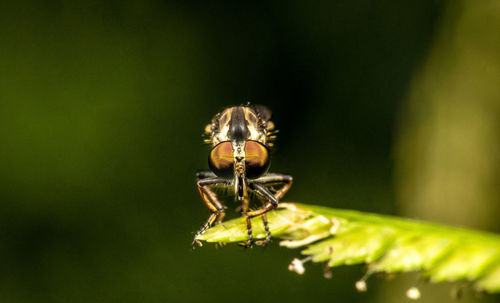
(212, 202)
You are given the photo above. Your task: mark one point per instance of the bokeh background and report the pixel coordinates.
(383, 106)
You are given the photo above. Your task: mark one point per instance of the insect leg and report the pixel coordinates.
(244, 212)
(271, 178)
(211, 201)
(264, 193)
(268, 233)
(270, 201)
(203, 174)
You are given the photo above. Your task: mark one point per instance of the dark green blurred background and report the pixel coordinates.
(102, 106)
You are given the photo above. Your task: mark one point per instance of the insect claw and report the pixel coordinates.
(196, 243)
(246, 244)
(262, 242)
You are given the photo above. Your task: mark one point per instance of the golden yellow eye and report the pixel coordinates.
(221, 160)
(256, 159)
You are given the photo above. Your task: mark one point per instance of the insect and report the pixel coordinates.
(241, 137)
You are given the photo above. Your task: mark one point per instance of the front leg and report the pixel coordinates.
(264, 193)
(212, 202)
(244, 211)
(204, 174)
(269, 179)
(274, 178)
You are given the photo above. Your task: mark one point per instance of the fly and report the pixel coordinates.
(240, 139)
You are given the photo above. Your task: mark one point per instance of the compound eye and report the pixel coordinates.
(256, 159)
(221, 159)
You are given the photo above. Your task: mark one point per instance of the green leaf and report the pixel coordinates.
(388, 244)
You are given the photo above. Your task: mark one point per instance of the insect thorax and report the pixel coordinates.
(238, 124)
